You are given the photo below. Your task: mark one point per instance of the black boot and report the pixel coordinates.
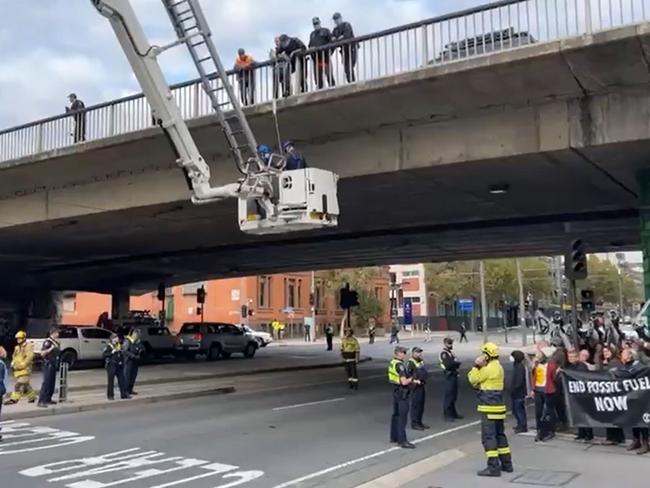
(506, 463)
(490, 472)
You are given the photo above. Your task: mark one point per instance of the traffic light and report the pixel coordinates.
(161, 292)
(244, 311)
(587, 298)
(200, 295)
(575, 264)
(349, 298)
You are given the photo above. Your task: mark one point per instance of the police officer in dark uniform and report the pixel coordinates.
(400, 380)
(132, 351)
(417, 370)
(114, 361)
(50, 352)
(329, 336)
(449, 366)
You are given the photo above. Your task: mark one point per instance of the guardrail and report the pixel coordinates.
(498, 26)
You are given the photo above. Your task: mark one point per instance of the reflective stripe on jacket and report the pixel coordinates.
(489, 380)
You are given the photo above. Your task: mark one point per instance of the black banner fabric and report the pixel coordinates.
(607, 399)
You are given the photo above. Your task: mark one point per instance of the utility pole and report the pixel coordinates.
(313, 304)
(574, 314)
(483, 300)
(522, 309)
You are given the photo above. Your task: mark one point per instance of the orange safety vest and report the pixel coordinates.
(244, 63)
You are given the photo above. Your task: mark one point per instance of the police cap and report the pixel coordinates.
(400, 349)
(417, 349)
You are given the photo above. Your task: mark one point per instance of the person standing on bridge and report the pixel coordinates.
(21, 363)
(350, 351)
(400, 380)
(50, 353)
(320, 39)
(245, 69)
(343, 32)
(294, 49)
(77, 109)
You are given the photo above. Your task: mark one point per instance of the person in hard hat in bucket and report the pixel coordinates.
(488, 378)
(21, 364)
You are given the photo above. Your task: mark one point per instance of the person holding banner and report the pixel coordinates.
(488, 378)
(640, 435)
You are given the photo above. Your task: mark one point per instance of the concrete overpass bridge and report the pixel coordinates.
(499, 131)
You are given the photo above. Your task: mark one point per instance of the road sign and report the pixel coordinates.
(466, 304)
(408, 311)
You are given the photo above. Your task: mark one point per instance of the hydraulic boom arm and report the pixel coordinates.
(271, 200)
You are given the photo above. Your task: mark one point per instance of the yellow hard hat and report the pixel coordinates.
(21, 334)
(490, 349)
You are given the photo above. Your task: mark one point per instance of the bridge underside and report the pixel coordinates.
(437, 213)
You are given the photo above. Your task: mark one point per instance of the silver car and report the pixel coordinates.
(214, 340)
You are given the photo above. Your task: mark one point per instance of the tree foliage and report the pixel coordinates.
(450, 281)
(603, 279)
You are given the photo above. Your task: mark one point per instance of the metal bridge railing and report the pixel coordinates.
(498, 26)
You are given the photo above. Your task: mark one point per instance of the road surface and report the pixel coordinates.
(300, 429)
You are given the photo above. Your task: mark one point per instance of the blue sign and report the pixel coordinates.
(466, 304)
(408, 311)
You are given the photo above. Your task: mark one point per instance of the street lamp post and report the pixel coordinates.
(483, 300)
(522, 309)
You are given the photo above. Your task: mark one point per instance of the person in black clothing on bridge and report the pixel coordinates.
(321, 37)
(294, 48)
(342, 32)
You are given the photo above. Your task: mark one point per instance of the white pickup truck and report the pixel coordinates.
(78, 343)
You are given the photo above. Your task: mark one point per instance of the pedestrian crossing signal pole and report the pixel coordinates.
(483, 300)
(575, 268)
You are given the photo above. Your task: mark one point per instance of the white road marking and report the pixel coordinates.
(51, 438)
(308, 404)
(297, 481)
(414, 471)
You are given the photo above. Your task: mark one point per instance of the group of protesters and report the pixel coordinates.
(289, 58)
(602, 347)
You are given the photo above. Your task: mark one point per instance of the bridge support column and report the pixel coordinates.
(120, 304)
(643, 178)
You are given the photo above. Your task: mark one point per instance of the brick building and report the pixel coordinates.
(282, 296)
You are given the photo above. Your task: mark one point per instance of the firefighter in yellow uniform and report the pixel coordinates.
(350, 350)
(21, 364)
(488, 378)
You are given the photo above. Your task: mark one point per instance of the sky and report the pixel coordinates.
(51, 48)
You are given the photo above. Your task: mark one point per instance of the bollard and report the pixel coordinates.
(63, 382)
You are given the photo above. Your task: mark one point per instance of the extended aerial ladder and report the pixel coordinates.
(271, 200)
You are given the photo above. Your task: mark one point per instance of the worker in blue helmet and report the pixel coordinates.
(264, 152)
(295, 159)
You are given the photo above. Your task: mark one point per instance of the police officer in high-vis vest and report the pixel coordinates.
(350, 350)
(400, 380)
(50, 353)
(488, 378)
(418, 371)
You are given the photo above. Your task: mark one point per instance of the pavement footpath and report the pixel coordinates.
(560, 462)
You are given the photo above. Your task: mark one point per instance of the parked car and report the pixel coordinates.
(78, 343)
(158, 341)
(214, 340)
(262, 338)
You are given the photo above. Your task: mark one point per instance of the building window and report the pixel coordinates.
(411, 273)
(70, 302)
(299, 295)
(378, 292)
(318, 299)
(415, 299)
(264, 292)
(290, 292)
(192, 288)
